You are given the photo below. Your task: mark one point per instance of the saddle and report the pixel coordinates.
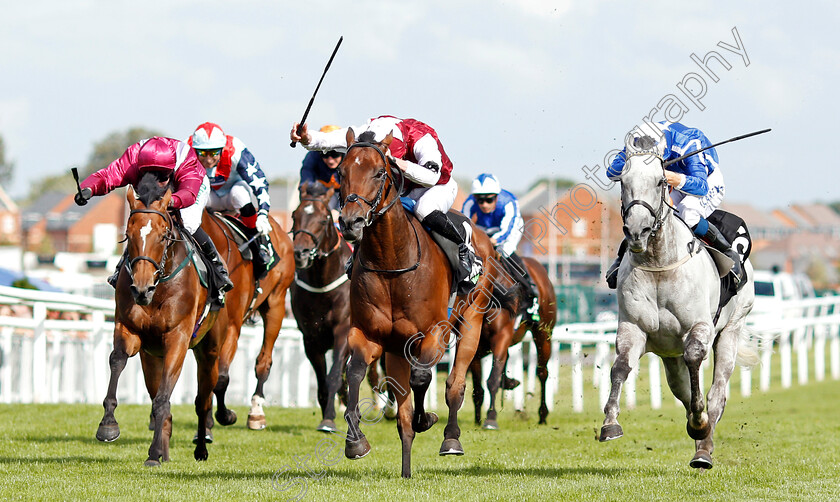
(736, 232)
(241, 235)
(449, 248)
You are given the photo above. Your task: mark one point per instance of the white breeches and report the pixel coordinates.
(238, 196)
(438, 197)
(692, 207)
(191, 215)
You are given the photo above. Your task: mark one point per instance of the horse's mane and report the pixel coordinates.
(367, 137)
(148, 189)
(644, 142)
(314, 189)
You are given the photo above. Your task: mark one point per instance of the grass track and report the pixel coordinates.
(780, 445)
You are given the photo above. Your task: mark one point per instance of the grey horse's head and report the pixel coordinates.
(642, 190)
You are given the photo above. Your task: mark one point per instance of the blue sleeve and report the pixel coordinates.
(696, 176)
(614, 171)
(307, 169)
(469, 207)
(249, 170)
(511, 213)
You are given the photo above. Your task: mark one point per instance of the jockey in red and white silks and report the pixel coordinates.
(418, 152)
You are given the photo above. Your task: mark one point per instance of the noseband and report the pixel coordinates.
(659, 213)
(372, 214)
(316, 251)
(168, 236)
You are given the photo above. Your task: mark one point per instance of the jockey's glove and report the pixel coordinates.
(83, 196)
(263, 225)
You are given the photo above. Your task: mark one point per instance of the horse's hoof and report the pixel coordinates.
(327, 425)
(200, 455)
(698, 434)
(451, 447)
(355, 450)
(510, 383)
(226, 417)
(702, 460)
(490, 425)
(431, 419)
(108, 433)
(208, 438)
(152, 463)
(256, 422)
(612, 431)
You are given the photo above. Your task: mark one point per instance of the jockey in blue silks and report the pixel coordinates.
(697, 190)
(496, 211)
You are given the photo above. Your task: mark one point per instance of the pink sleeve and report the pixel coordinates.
(188, 180)
(119, 173)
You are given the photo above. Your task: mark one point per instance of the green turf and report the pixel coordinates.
(779, 445)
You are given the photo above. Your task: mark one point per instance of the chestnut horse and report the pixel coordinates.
(240, 303)
(399, 292)
(321, 294)
(159, 302)
(499, 331)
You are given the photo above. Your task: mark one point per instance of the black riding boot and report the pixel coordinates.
(208, 249)
(113, 279)
(530, 302)
(719, 242)
(467, 277)
(612, 272)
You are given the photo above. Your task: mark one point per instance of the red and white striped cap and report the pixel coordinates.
(208, 136)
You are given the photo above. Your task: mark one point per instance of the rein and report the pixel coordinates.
(159, 267)
(371, 215)
(658, 214)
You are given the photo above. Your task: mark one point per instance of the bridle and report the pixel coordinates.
(316, 251)
(159, 267)
(372, 214)
(659, 213)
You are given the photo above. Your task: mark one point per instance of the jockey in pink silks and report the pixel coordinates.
(173, 162)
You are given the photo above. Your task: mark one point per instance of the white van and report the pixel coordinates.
(773, 287)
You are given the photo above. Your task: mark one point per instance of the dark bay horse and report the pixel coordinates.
(399, 292)
(159, 302)
(499, 331)
(321, 293)
(241, 301)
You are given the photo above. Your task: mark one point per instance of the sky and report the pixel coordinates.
(523, 89)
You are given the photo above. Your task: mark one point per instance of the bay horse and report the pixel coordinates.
(668, 293)
(240, 303)
(499, 331)
(321, 293)
(159, 303)
(399, 292)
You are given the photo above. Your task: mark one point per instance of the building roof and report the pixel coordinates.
(755, 218)
(819, 215)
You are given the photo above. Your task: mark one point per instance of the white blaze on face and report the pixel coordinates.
(144, 232)
(358, 162)
(309, 209)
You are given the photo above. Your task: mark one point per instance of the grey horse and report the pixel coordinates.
(668, 292)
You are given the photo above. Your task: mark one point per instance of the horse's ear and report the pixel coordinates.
(166, 198)
(661, 144)
(302, 188)
(386, 142)
(131, 197)
(351, 136)
(329, 194)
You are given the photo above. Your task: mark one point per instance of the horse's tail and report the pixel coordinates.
(748, 342)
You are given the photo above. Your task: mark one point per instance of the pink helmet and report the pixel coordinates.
(156, 153)
(208, 136)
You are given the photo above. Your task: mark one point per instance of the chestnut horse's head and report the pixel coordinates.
(366, 183)
(149, 234)
(312, 223)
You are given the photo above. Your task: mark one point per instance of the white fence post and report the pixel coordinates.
(39, 355)
(655, 382)
(6, 364)
(577, 377)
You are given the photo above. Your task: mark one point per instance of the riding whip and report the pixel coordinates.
(668, 163)
(312, 100)
(75, 172)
